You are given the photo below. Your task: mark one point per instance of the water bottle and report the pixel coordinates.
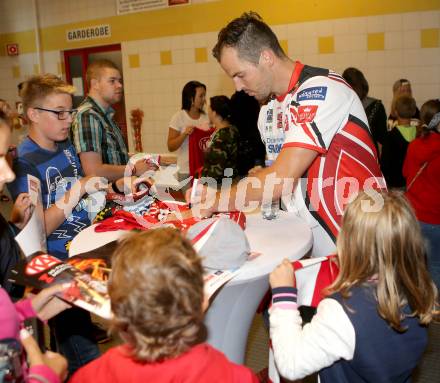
(270, 209)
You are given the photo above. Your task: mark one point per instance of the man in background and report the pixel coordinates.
(96, 135)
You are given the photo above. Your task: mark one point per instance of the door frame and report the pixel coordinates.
(84, 53)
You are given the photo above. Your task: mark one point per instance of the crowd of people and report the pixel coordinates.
(291, 131)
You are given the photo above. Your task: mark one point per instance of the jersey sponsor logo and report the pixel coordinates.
(274, 148)
(314, 93)
(280, 120)
(204, 143)
(306, 113)
(274, 144)
(41, 263)
(269, 115)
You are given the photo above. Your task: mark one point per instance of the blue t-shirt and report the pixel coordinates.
(57, 170)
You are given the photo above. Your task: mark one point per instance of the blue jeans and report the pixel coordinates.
(72, 330)
(432, 236)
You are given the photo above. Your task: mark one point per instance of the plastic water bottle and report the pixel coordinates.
(270, 209)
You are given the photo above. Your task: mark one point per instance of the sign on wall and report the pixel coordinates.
(89, 33)
(12, 49)
(129, 6)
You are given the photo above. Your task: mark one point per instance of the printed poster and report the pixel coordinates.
(32, 237)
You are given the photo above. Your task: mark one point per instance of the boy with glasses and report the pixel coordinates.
(48, 155)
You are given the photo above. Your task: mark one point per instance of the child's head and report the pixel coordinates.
(405, 107)
(156, 290)
(402, 87)
(385, 243)
(47, 103)
(6, 173)
(428, 110)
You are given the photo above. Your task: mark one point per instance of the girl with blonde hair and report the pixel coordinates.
(401, 87)
(372, 326)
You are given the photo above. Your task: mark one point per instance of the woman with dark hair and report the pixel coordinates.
(184, 121)
(374, 109)
(421, 170)
(223, 148)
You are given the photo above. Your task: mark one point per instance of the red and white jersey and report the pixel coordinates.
(321, 112)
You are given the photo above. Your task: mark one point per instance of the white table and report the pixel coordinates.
(232, 310)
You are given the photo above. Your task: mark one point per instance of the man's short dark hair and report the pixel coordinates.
(249, 35)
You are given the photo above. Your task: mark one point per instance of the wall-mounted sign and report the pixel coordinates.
(12, 49)
(89, 33)
(129, 6)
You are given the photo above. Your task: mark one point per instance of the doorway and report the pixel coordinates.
(76, 62)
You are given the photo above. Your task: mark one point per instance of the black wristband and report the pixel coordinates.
(116, 189)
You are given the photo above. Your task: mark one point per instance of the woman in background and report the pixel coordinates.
(223, 149)
(183, 123)
(374, 109)
(401, 87)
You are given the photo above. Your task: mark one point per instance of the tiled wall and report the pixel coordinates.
(384, 47)
(155, 72)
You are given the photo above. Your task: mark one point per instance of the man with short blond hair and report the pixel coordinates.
(95, 134)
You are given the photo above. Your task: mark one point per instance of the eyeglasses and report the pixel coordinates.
(61, 114)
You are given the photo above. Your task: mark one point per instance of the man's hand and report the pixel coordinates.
(91, 184)
(283, 275)
(21, 211)
(56, 362)
(254, 170)
(133, 184)
(143, 166)
(203, 200)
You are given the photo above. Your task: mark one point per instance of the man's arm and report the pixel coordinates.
(91, 163)
(282, 176)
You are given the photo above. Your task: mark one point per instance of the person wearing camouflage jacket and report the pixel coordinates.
(223, 149)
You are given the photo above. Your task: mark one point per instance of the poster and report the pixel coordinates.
(32, 237)
(130, 6)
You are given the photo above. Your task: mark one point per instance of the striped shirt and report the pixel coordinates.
(94, 130)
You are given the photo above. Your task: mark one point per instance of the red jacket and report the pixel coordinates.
(425, 191)
(200, 364)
